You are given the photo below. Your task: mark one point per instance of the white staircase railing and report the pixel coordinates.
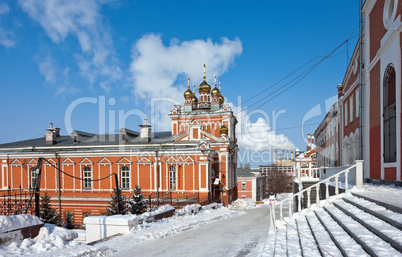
(308, 173)
(359, 184)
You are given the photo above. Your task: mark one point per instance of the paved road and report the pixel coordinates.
(241, 235)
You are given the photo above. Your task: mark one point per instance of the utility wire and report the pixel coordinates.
(301, 76)
(280, 80)
(82, 179)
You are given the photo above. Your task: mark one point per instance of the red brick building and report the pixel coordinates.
(196, 159)
(250, 185)
(378, 135)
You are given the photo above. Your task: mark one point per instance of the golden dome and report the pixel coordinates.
(221, 99)
(223, 130)
(215, 91)
(188, 93)
(204, 86)
(194, 99)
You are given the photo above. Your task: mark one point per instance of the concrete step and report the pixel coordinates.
(391, 217)
(380, 228)
(307, 240)
(349, 226)
(383, 204)
(327, 245)
(372, 244)
(292, 235)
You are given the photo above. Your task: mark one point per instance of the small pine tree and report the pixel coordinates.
(69, 222)
(137, 205)
(46, 213)
(113, 205)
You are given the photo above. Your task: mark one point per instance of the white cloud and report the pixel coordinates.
(156, 68)
(47, 67)
(81, 20)
(6, 36)
(259, 136)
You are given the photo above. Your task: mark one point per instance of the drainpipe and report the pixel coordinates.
(59, 182)
(360, 81)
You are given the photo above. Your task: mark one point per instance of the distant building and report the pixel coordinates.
(282, 167)
(306, 162)
(250, 185)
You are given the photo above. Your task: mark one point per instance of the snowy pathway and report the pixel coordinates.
(240, 235)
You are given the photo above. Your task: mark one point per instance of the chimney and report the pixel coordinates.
(275, 156)
(309, 142)
(287, 154)
(340, 90)
(291, 154)
(312, 142)
(283, 154)
(51, 135)
(145, 132)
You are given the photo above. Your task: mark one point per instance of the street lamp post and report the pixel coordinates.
(157, 178)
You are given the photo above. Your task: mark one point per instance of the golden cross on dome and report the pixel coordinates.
(215, 79)
(204, 69)
(188, 82)
(219, 86)
(194, 88)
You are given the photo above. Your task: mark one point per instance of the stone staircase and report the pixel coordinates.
(352, 225)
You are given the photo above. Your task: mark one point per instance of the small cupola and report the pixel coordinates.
(194, 99)
(204, 86)
(221, 98)
(223, 130)
(188, 95)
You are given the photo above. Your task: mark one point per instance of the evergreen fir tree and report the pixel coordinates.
(69, 220)
(47, 213)
(137, 205)
(113, 205)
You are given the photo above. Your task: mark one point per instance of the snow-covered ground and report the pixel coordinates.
(55, 241)
(240, 231)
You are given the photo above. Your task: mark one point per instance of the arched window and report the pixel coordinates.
(304, 165)
(125, 177)
(86, 172)
(389, 108)
(172, 178)
(34, 177)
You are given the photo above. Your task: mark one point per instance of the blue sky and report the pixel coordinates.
(54, 53)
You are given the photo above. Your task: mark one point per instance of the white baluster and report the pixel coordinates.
(290, 207)
(299, 203)
(326, 190)
(347, 180)
(317, 197)
(309, 173)
(308, 198)
(336, 185)
(359, 174)
(280, 210)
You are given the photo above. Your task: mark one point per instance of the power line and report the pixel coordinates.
(301, 76)
(82, 179)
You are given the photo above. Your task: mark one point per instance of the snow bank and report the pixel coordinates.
(50, 238)
(282, 196)
(189, 209)
(243, 203)
(13, 222)
(149, 216)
